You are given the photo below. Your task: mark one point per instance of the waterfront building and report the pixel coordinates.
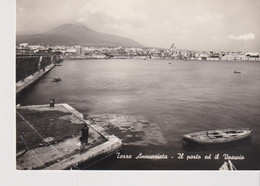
(24, 45)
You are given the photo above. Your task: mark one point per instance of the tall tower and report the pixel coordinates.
(173, 48)
(78, 50)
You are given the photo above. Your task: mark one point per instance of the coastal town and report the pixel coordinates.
(92, 52)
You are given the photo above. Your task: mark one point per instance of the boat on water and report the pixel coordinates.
(218, 136)
(237, 72)
(228, 165)
(56, 79)
(58, 64)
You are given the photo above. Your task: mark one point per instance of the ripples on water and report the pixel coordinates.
(181, 97)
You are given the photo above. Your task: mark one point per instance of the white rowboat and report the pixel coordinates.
(218, 136)
(227, 166)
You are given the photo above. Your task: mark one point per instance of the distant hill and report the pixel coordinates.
(76, 34)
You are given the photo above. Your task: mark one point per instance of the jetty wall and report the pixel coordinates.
(28, 65)
(30, 80)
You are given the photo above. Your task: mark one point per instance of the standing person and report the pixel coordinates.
(52, 102)
(84, 134)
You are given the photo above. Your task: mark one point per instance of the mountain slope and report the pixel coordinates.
(76, 34)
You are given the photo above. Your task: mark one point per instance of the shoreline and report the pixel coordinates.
(170, 59)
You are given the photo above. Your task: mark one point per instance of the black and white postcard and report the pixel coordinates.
(137, 85)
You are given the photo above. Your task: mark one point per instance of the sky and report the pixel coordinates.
(219, 25)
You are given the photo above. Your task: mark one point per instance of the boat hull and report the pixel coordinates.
(218, 136)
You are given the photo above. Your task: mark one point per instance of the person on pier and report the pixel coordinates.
(52, 102)
(84, 134)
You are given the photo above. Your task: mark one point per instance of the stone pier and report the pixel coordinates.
(48, 138)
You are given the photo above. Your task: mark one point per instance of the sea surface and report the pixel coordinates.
(171, 98)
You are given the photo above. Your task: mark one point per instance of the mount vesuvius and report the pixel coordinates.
(76, 34)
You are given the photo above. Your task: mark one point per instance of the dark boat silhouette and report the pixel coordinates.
(236, 72)
(56, 79)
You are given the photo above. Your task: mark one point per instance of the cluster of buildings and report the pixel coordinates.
(80, 52)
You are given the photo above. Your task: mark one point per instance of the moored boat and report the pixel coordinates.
(218, 136)
(58, 64)
(56, 79)
(236, 72)
(228, 165)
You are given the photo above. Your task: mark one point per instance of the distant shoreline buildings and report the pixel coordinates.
(79, 52)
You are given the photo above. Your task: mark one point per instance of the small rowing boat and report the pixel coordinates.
(58, 64)
(218, 136)
(56, 79)
(228, 165)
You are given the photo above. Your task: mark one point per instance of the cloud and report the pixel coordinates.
(201, 25)
(245, 37)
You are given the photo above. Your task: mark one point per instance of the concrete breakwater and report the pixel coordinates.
(29, 69)
(30, 80)
(28, 65)
(36, 124)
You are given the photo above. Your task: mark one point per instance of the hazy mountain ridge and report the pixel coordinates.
(76, 34)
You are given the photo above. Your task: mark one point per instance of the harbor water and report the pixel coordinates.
(167, 98)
